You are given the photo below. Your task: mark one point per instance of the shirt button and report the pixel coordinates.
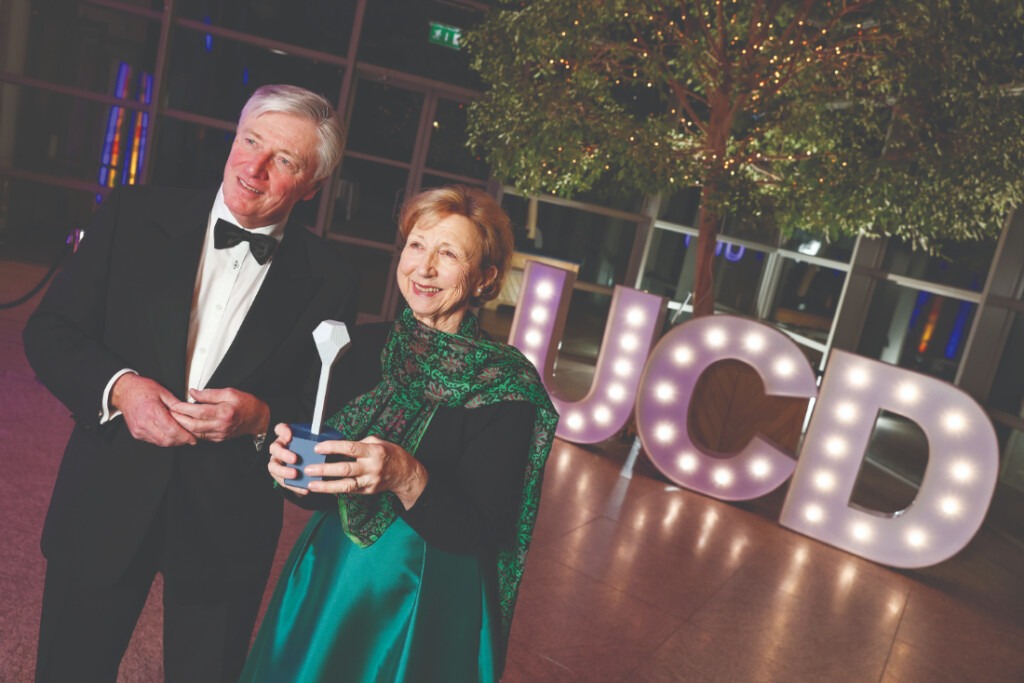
(219, 307)
(235, 265)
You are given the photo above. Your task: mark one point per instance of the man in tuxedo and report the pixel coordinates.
(178, 335)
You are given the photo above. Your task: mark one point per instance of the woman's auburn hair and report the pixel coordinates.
(493, 227)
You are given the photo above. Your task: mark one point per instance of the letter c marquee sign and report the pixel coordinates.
(963, 454)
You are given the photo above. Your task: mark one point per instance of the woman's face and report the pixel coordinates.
(440, 270)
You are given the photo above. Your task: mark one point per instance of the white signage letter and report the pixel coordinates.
(960, 478)
(663, 404)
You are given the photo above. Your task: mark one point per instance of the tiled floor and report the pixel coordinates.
(632, 579)
(635, 580)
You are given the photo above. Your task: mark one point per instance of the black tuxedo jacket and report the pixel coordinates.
(124, 301)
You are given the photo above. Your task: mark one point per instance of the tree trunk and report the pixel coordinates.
(707, 237)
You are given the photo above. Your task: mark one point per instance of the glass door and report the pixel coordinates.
(402, 136)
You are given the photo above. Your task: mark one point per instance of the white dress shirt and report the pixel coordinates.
(226, 285)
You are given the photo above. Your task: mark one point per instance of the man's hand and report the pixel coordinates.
(222, 414)
(145, 405)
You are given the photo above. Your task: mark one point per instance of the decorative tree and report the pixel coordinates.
(891, 118)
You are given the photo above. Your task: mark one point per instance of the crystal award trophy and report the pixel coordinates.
(331, 339)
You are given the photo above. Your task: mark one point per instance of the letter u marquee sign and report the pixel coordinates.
(657, 381)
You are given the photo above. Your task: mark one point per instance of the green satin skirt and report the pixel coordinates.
(398, 610)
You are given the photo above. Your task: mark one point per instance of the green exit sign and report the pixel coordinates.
(446, 36)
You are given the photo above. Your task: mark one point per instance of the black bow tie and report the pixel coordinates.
(227, 235)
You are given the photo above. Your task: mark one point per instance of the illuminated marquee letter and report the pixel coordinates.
(634, 321)
(963, 460)
(540, 314)
(663, 404)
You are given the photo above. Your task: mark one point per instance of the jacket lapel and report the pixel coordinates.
(274, 313)
(174, 270)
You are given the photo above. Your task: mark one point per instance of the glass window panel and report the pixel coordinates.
(1007, 393)
(1012, 471)
(189, 155)
(807, 298)
(737, 272)
(751, 229)
(374, 268)
(916, 330)
(611, 194)
(668, 257)
(83, 46)
(1007, 510)
(517, 209)
(324, 25)
(214, 76)
(367, 200)
(430, 180)
(385, 120)
(601, 245)
(71, 137)
(35, 219)
(448, 151)
(962, 264)
(681, 208)
(396, 34)
(814, 245)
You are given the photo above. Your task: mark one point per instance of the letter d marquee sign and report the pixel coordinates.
(963, 455)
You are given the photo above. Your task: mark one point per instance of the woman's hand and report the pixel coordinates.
(378, 466)
(282, 459)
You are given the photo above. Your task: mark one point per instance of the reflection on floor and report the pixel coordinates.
(636, 580)
(628, 579)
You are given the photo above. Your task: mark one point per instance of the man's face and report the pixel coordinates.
(271, 168)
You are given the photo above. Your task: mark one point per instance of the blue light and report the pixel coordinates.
(922, 299)
(733, 252)
(963, 312)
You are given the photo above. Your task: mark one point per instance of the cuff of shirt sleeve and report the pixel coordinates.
(107, 413)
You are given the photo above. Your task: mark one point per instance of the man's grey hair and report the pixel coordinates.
(296, 101)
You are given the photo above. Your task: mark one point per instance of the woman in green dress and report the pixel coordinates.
(411, 571)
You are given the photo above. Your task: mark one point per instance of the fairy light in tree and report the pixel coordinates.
(677, 362)
(963, 463)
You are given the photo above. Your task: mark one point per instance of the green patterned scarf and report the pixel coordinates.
(423, 369)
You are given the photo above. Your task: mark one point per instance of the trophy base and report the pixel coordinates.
(303, 443)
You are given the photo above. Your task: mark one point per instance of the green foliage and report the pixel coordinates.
(896, 118)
